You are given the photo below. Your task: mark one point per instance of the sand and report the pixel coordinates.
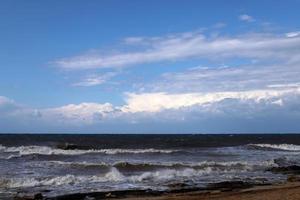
(287, 191)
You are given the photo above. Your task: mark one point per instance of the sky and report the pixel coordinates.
(137, 66)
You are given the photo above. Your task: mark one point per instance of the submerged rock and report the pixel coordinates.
(229, 185)
(37, 196)
(178, 185)
(292, 169)
(293, 178)
(67, 146)
(284, 162)
(110, 195)
(105, 195)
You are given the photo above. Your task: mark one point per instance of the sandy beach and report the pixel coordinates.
(287, 191)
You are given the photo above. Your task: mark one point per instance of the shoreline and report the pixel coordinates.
(236, 190)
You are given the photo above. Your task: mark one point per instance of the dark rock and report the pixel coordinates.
(229, 185)
(292, 169)
(178, 185)
(45, 190)
(284, 162)
(110, 195)
(37, 196)
(104, 195)
(262, 180)
(67, 146)
(281, 161)
(293, 178)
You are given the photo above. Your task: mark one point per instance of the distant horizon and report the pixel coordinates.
(44, 133)
(150, 66)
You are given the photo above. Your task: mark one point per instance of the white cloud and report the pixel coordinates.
(293, 34)
(83, 113)
(252, 111)
(156, 102)
(228, 78)
(5, 100)
(192, 45)
(247, 18)
(93, 80)
(266, 90)
(288, 85)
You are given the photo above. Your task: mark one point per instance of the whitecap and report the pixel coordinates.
(45, 150)
(284, 147)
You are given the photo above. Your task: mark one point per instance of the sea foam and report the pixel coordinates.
(45, 150)
(284, 147)
(114, 175)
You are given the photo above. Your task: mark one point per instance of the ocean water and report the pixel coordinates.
(126, 162)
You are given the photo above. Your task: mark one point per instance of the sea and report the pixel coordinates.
(57, 164)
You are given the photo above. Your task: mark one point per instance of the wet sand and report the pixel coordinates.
(287, 191)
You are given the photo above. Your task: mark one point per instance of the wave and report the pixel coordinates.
(114, 176)
(45, 150)
(282, 147)
(152, 166)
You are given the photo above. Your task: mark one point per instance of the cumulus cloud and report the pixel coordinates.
(256, 111)
(78, 114)
(246, 18)
(156, 102)
(72, 117)
(191, 45)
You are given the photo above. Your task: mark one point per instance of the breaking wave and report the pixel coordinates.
(113, 176)
(133, 167)
(282, 147)
(45, 150)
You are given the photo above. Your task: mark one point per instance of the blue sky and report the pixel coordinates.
(149, 66)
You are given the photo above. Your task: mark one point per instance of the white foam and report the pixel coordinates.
(44, 150)
(35, 182)
(79, 164)
(246, 164)
(112, 176)
(285, 147)
(2, 148)
(169, 174)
